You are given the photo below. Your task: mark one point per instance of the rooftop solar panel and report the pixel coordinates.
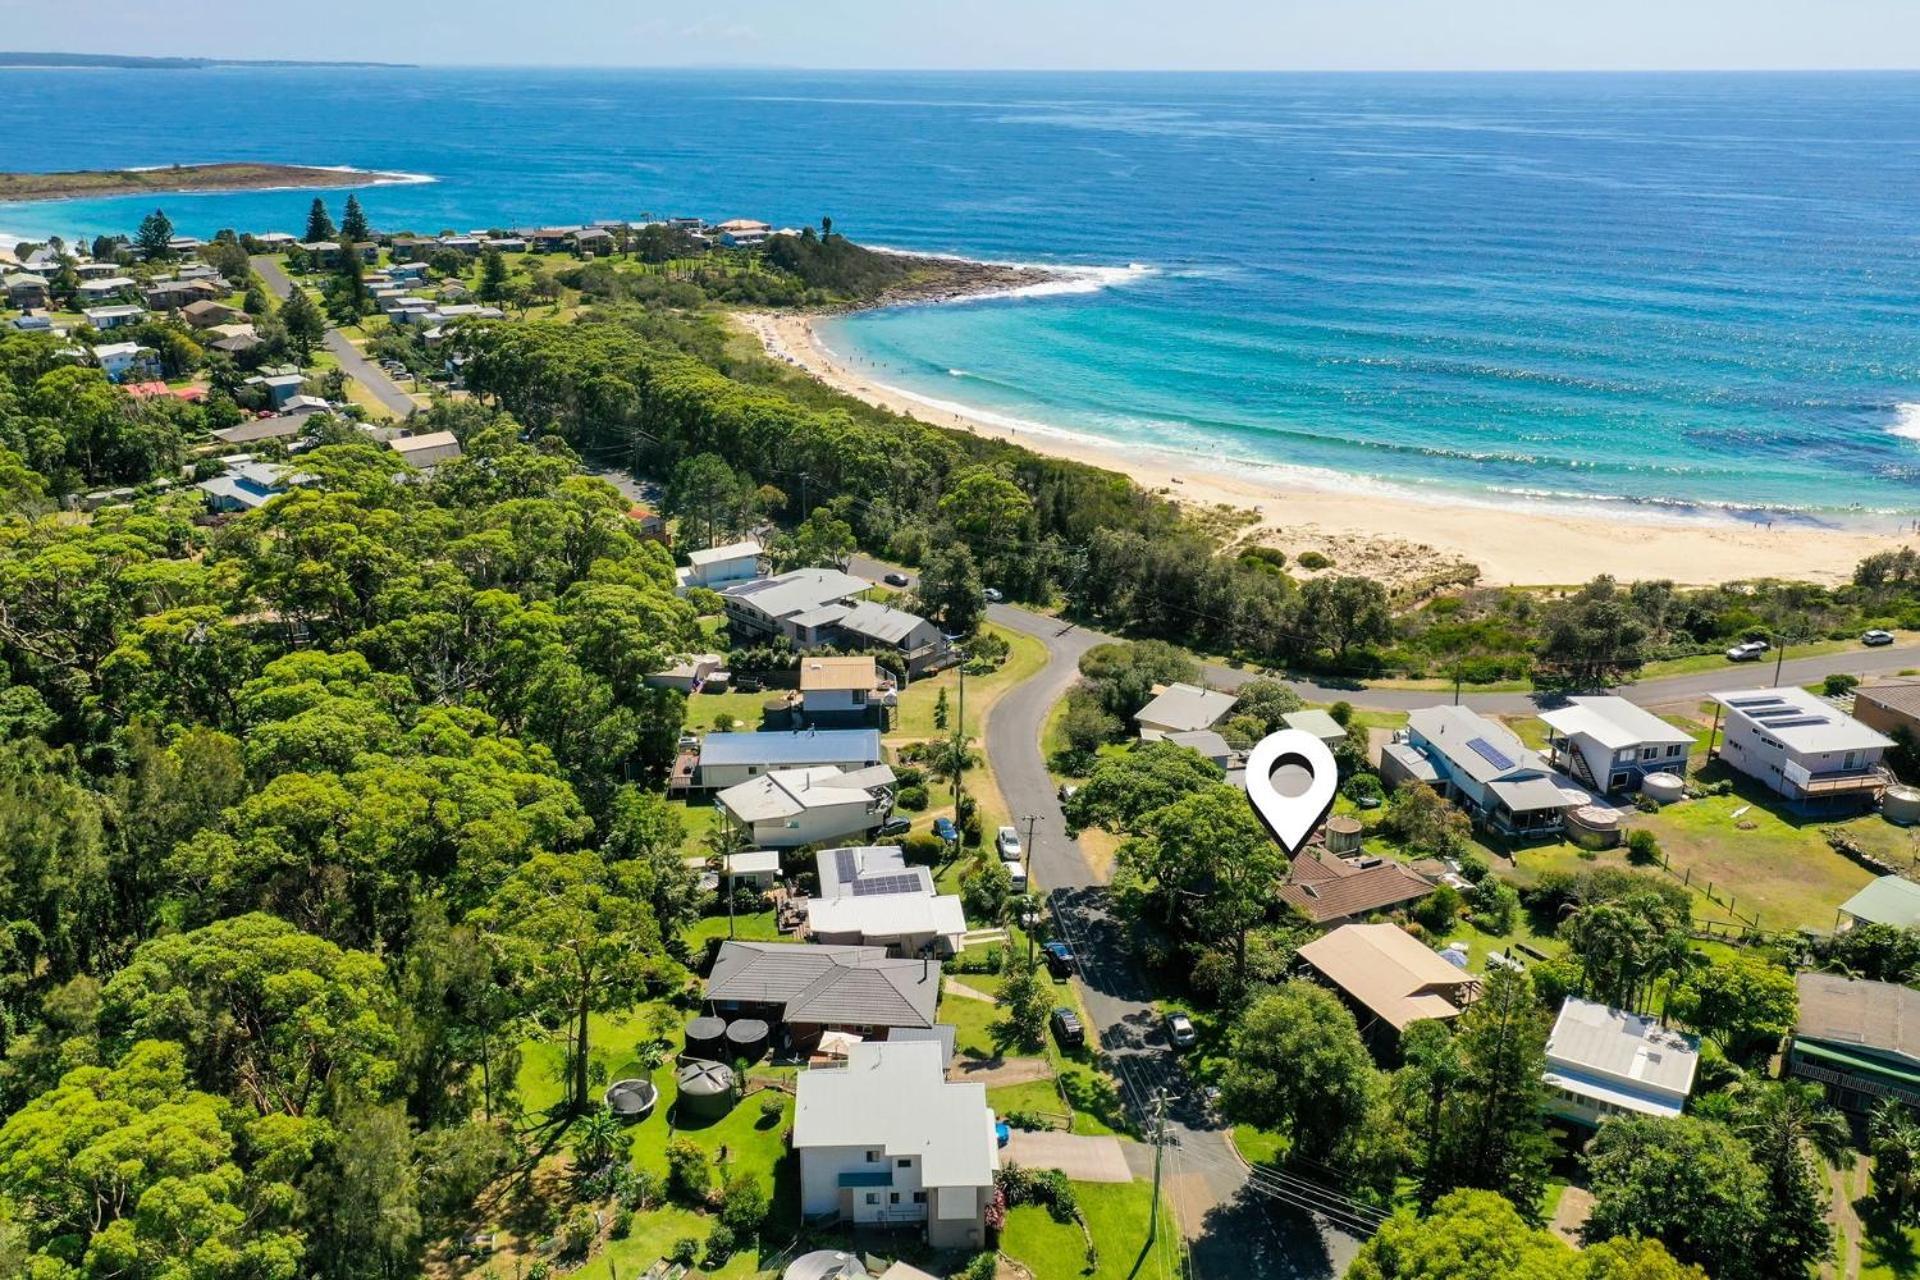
(846, 864)
(881, 886)
(1490, 753)
(1761, 701)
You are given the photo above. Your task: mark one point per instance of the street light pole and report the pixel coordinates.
(1159, 1150)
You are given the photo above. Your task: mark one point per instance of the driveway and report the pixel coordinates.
(358, 367)
(1082, 1158)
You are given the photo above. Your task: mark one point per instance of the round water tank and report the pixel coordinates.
(631, 1099)
(707, 1038)
(825, 1264)
(706, 1091)
(1901, 804)
(1343, 834)
(1662, 788)
(746, 1038)
(1593, 827)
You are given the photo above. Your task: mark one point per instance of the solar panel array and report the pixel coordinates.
(846, 864)
(878, 886)
(1490, 753)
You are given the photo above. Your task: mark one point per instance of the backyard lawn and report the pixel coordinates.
(742, 1142)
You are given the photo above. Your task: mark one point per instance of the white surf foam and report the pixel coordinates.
(1906, 421)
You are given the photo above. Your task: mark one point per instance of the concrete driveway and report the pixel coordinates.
(1083, 1159)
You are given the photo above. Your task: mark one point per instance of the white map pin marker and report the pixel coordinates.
(1291, 778)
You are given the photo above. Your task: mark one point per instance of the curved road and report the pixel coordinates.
(1235, 1228)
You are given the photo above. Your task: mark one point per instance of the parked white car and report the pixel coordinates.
(1749, 651)
(1007, 841)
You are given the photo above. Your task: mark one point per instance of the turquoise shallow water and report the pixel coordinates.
(1687, 293)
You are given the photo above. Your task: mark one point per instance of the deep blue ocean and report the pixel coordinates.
(1698, 293)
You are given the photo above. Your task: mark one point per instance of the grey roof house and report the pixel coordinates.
(811, 990)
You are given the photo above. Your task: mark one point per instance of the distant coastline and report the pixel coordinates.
(80, 184)
(14, 60)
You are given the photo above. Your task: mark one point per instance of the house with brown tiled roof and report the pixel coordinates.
(1889, 707)
(1329, 890)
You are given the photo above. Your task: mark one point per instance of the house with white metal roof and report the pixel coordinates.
(1609, 744)
(1611, 1062)
(887, 1140)
(1803, 747)
(1182, 708)
(1490, 773)
(730, 758)
(107, 319)
(791, 807)
(867, 625)
(764, 608)
(716, 567)
(912, 924)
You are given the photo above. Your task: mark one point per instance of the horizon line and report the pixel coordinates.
(220, 62)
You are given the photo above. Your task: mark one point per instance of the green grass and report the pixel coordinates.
(1036, 1096)
(705, 709)
(1717, 660)
(760, 926)
(1116, 1214)
(752, 1146)
(972, 1022)
(914, 716)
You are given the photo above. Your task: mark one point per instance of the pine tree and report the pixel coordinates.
(156, 229)
(305, 326)
(353, 223)
(319, 223)
(493, 276)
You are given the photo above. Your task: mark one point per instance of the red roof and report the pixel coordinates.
(142, 390)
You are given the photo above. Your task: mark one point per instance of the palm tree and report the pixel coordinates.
(1779, 1118)
(595, 1139)
(1894, 1139)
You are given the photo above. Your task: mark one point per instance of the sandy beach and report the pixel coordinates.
(1391, 535)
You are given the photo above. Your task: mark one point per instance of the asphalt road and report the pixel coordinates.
(1240, 1222)
(1236, 1224)
(358, 367)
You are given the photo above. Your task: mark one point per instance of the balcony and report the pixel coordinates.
(1838, 781)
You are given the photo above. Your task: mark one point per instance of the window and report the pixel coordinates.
(893, 1197)
(904, 1162)
(919, 1197)
(875, 1157)
(1649, 753)
(1676, 749)
(873, 1197)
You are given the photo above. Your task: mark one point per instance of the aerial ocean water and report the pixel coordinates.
(1682, 294)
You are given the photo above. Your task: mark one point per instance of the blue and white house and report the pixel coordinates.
(1486, 770)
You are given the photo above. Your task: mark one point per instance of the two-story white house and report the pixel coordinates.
(887, 1140)
(1803, 747)
(716, 567)
(1608, 1062)
(792, 807)
(765, 608)
(846, 689)
(1609, 744)
(1490, 773)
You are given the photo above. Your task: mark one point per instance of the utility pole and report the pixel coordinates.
(1780, 659)
(1159, 1151)
(960, 737)
(1026, 849)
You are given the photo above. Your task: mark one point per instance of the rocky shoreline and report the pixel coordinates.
(941, 279)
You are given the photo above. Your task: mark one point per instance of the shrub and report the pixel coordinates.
(1642, 848)
(1839, 684)
(1313, 560)
(771, 1106)
(578, 1233)
(622, 1225)
(743, 1205)
(912, 798)
(923, 848)
(1342, 713)
(720, 1247)
(983, 1267)
(1362, 786)
(684, 1251)
(1437, 912)
(724, 722)
(688, 1176)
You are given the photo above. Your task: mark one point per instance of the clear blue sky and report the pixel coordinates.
(1066, 34)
